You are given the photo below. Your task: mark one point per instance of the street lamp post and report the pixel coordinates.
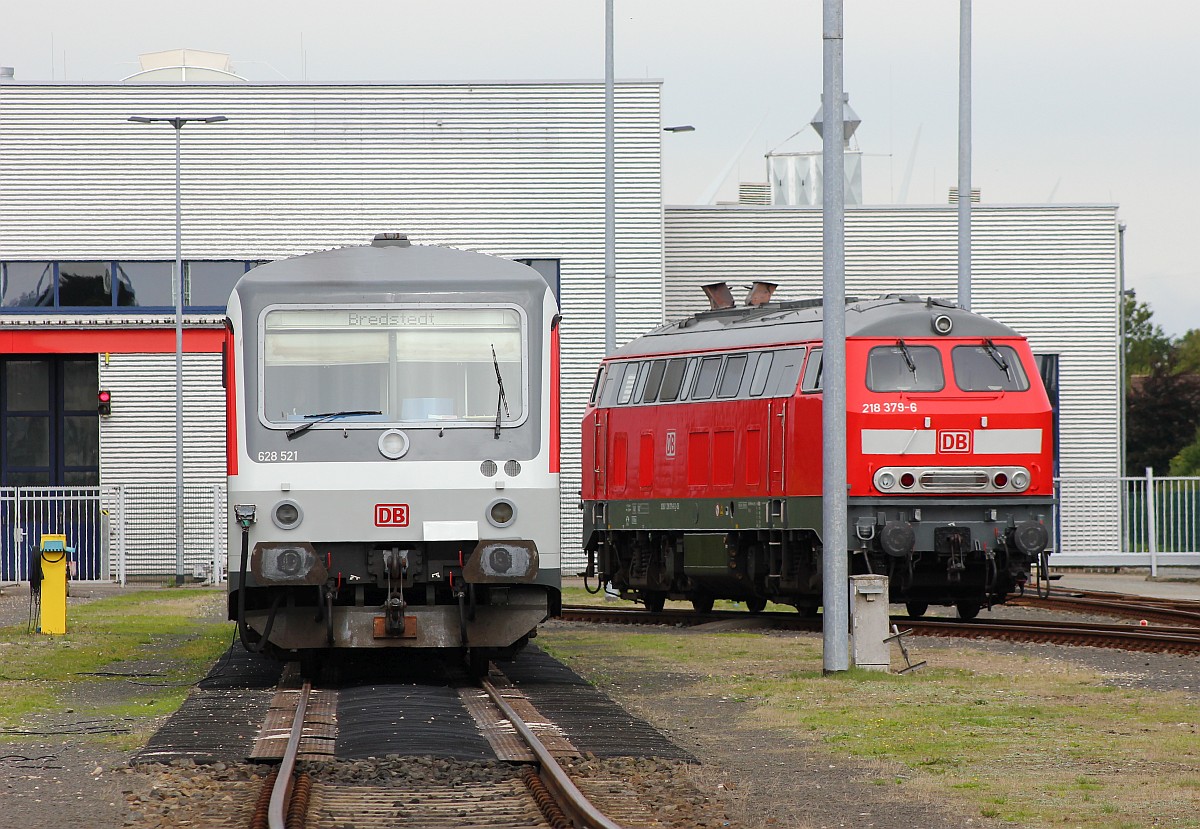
(177, 123)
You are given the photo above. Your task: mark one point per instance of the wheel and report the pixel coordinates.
(655, 602)
(916, 609)
(756, 604)
(702, 603)
(968, 610)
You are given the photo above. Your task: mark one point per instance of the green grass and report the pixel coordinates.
(1009, 738)
(177, 631)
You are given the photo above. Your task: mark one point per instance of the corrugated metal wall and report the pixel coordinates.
(514, 170)
(1049, 271)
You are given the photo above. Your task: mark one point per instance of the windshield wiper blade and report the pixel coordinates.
(500, 399)
(997, 357)
(907, 357)
(321, 417)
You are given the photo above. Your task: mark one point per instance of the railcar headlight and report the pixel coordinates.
(287, 515)
(297, 563)
(393, 444)
(885, 480)
(501, 513)
(942, 324)
(1020, 480)
(499, 561)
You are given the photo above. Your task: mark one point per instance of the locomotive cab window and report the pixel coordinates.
(416, 365)
(596, 385)
(812, 372)
(903, 367)
(612, 384)
(988, 367)
(627, 383)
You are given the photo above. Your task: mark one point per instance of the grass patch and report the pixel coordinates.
(1029, 743)
(176, 633)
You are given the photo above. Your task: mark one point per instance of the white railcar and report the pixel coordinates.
(393, 452)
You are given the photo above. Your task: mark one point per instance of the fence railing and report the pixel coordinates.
(119, 532)
(127, 531)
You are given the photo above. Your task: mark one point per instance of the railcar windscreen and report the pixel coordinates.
(988, 367)
(903, 367)
(412, 365)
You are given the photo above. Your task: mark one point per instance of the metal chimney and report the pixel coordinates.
(760, 293)
(719, 296)
(390, 240)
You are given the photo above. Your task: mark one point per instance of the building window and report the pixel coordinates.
(126, 284)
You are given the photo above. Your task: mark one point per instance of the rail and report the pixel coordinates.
(282, 790)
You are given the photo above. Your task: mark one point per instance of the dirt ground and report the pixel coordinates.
(65, 773)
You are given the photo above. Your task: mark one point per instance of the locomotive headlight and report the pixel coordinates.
(885, 480)
(501, 513)
(393, 444)
(942, 324)
(287, 515)
(1020, 480)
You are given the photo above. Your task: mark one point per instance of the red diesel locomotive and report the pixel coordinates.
(702, 456)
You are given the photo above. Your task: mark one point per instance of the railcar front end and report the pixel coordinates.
(393, 476)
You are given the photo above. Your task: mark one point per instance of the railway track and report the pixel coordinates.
(541, 793)
(1178, 639)
(1167, 611)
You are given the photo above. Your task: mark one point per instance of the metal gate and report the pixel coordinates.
(28, 513)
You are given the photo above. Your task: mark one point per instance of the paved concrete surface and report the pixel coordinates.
(1169, 583)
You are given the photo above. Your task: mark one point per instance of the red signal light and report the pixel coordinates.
(104, 402)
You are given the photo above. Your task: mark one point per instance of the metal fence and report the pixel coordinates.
(127, 532)
(118, 532)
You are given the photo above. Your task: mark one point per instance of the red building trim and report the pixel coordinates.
(106, 341)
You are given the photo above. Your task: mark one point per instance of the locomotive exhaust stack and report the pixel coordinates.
(719, 296)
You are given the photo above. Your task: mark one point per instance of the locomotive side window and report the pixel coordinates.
(672, 380)
(394, 365)
(903, 367)
(654, 381)
(689, 372)
(988, 367)
(612, 384)
(596, 387)
(785, 372)
(731, 380)
(706, 378)
(758, 383)
(812, 372)
(627, 383)
(640, 385)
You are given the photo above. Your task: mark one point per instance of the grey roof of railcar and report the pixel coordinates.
(894, 315)
(364, 272)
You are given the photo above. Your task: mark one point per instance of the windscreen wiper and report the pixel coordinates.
(907, 357)
(997, 357)
(321, 417)
(501, 400)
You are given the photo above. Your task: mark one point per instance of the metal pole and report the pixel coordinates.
(610, 189)
(835, 573)
(964, 154)
(178, 125)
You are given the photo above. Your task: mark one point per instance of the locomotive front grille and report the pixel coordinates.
(952, 481)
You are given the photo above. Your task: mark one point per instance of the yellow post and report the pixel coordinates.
(54, 552)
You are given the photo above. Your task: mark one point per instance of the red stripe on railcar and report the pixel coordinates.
(555, 415)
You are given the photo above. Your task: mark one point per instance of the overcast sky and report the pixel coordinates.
(1074, 101)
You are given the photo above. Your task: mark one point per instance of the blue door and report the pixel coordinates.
(50, 438)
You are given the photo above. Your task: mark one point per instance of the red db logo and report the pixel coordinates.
(954, 441)
(391, 515)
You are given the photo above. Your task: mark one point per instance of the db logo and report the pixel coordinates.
(391, 515)
(954, 441)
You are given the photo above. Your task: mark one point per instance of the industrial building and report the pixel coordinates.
(514, 169)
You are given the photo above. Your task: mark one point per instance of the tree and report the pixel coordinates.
(1162, 413)
(1146, 346)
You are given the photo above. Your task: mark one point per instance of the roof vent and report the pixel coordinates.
(760, 293)
(7, 73)
(390, 240)
(719, 296)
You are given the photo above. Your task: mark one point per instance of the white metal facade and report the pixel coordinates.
(511, 169)
(1049, 271)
